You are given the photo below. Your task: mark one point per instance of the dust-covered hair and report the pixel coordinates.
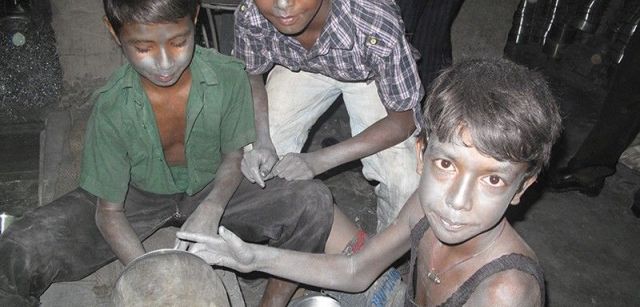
(121, 12)
(507, 109)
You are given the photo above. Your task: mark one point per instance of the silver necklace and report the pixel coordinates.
(434, 276)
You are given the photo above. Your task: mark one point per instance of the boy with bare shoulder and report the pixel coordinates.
(490, 126)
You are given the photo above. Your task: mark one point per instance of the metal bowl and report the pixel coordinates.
(169, 277)
(5, 221)
(314, 301)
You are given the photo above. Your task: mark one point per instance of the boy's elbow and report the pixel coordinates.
(403, 122)
(106, 212)
(359, 279)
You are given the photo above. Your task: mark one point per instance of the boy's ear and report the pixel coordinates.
(420, 146)
(110, 28)
(525, 185)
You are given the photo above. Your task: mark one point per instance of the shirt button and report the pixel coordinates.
(243, 8)
(373, 40)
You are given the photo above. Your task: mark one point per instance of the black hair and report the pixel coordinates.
(508, 110)
(121, 12)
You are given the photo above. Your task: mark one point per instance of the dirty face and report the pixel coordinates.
(465, 193)
(292, 17)
(159, 52)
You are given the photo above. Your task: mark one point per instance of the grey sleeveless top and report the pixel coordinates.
(462, 294)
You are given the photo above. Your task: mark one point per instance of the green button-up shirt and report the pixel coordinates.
(122, 143)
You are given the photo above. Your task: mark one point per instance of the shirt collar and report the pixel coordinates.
(338, 33)
(201, 72)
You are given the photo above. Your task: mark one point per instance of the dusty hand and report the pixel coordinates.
(256, 165)
(196, 223)
(294, 166)
(226, 250)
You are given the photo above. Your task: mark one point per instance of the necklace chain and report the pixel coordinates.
(434, 276)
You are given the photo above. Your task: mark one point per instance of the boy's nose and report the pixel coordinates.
(164, 60)
(458, 194)
(282, 4)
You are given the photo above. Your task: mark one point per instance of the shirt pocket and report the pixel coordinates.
(350, 67)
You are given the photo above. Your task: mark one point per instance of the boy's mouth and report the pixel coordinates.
(286, 20)
(450, 225)
(164, 78)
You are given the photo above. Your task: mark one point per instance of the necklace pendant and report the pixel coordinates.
(433, 277)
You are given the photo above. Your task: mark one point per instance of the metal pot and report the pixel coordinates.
(5, 221)
(169, 277)
(314, 301)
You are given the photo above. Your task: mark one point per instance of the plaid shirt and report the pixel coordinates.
(363, 40)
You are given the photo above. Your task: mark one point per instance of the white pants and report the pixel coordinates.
(298, 99)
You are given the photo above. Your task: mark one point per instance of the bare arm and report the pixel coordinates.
(117, 231)
(257, 163)
(391, 130)
(206, 217)
(124, 242)
(261, 111)
(347, 273)
(340, 272)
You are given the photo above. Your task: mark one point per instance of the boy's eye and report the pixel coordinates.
(494, 181)
(180, 44)
(142, 49)
(443, 164)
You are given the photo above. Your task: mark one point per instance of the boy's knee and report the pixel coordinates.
(314, 203)
(15, 266)
(313, 198)
(23, 252)
(23, 235)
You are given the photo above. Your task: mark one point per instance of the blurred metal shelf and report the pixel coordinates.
(212, 7)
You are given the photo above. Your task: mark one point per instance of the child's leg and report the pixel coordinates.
(343, 232)
(296, 101)
(35, 248)
(386, 291)
(295, 215)
(395, 167)
(61, 242)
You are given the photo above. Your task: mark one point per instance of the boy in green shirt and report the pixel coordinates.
(163, 146)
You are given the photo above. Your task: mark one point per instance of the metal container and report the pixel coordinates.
(169, 277)
(5, 221)
(314, 301)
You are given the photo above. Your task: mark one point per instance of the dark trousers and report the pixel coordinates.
(619, 120)
(428, 23)
(61, 242)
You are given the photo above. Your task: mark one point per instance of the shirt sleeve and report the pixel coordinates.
(237, 127)
(398, 79)
(399, 84)
(105, 167)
